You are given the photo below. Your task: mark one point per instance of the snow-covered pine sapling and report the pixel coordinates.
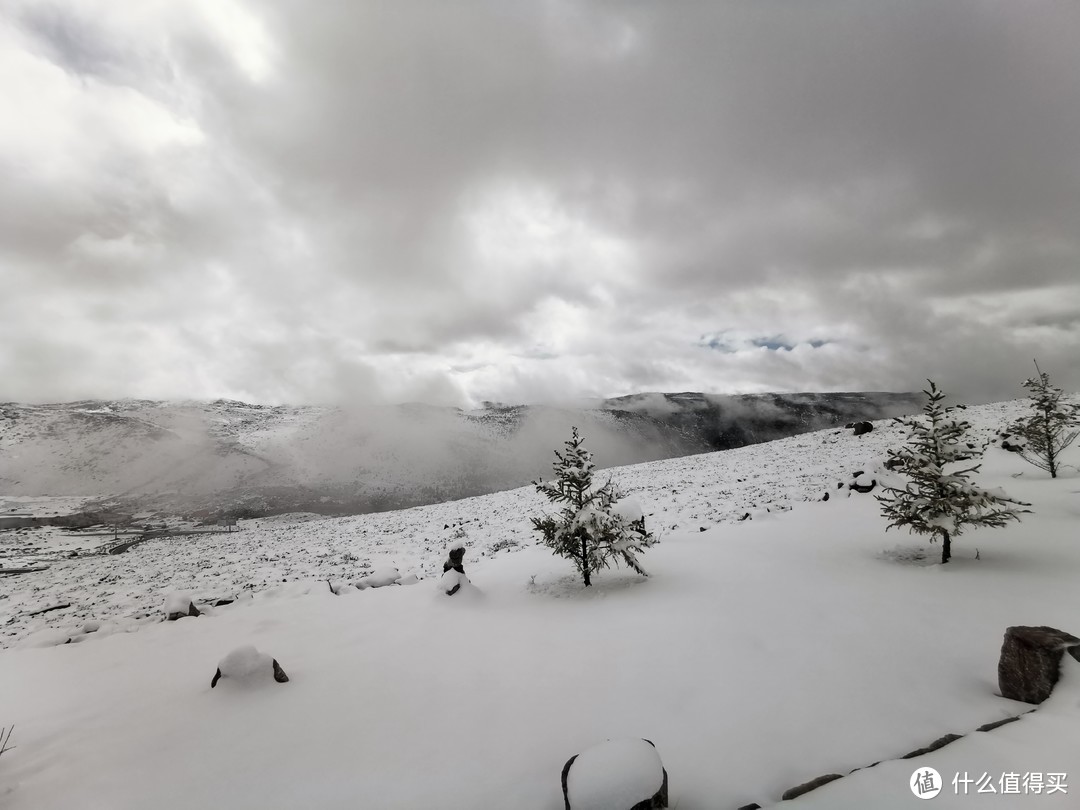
(587, 529)
(1052, 425)
(939, 498)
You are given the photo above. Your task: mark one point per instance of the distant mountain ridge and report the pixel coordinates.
(221, 458)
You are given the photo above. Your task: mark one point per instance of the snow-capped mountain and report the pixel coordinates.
(221, 457)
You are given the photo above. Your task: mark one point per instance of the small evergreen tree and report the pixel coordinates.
(937, 501)
(586, 529)
(1051, 427)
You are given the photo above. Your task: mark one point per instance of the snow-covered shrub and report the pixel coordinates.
(590, 529)
(938, 499)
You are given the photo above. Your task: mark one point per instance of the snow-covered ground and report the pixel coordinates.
(760, 653)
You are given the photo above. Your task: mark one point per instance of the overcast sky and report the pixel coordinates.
(518, 201)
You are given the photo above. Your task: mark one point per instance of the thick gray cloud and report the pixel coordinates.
(463, 201)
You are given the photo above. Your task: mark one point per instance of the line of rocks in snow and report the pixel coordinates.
(1028, 669)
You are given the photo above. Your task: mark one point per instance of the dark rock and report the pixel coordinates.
(751, 806)
(222, 602)
(746, 516)
(940, 742)
(997, 724)
(859, 483)
(861, 427)
(566, 773)
(455, 560)
(826, 497)
(894, 463)
(702, 529)
(191, 611)
(1030, 661)
(806, 787)
(863, 767)
(49, 608)
(279, 673)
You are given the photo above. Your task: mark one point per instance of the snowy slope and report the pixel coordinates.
(759, 654)
(691, 492)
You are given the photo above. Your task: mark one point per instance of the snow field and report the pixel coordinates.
(758, 655)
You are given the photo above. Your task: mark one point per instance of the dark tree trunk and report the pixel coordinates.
(585, 559)
(946, 547)
(1051, 461)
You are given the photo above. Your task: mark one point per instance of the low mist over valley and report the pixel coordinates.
(226, 459)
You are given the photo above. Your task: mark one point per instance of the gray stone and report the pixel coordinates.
(806, 787)
(940, 742)
(862, 427)
(997, 724)
(1030, 662)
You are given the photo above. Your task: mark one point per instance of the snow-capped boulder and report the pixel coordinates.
(178, 604)
(246, 665)
(1030, 661)
(862, 482)
(452, 581)
(1014, 444)
(379, 578)
(616, 775)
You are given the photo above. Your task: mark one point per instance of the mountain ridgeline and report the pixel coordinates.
(225, 459)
